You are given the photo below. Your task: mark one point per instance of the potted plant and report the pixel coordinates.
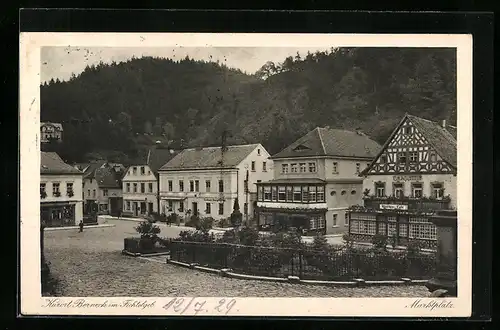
(70, 193)
(43, 194)
(57, 194)
(149, 234)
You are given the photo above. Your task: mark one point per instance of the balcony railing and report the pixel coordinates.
(380, 203)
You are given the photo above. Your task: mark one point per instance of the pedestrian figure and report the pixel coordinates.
(81, 226)
(119, 214)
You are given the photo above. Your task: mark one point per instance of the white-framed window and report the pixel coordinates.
(208, 208)
(88, 192)
(181, 207)
(143, 170)
(42, 188)
(69, 189)
(312, 194)
(221, 186)
(170, 185)
(274, 193)
(258, 152)
(105, 192)
(170, 205)
(391, 226)
(421, 228)
(93, 193)
(208, 185)
(380, 189)
(181, 185)
(437, 190)
(402, 157)
(398, 189)
(302, 167)
(320, 194)
(264, 167)
(150, 187)
(313, 223)
(127, 187)
(305, 194)
(253, 165)
(56, 189)
(312, 167)
(321, 222)
(417, 190)
(413, 157)
(284, 168)
(335, 168)
(191, 186)
(127, 206)
(297, 194)
(281, 194)
(197, 185)
(358, 168)
(134, 170)
(289, 193)
(135, 187)
(294, 168)
(346, 219)
(267, 193)
(143, 187)
(221, 208)
(334, 221)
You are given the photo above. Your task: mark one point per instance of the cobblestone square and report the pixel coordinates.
(90, 264)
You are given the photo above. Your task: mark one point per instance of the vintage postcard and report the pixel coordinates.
(246, 174)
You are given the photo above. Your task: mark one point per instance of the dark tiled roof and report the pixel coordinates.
(294, 181)
(51, 163)
(441, 139)
(209, 157)
(158, 157)
(106, 177)
(331, 142)
(93, 166)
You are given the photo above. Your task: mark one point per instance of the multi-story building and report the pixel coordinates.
(61, 201)
(206, 181)
(412, 177)
(316, 179)
(50, 131)
(140, 184)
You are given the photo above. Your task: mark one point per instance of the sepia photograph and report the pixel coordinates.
(218, 168)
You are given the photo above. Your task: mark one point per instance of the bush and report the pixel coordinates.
(348, 241)
(248, 236)
(223, 223)
(148, 230)
(193, 221)
(205, 224)
(379, 242)
(196, 236)
(173, 218)
(229, 236)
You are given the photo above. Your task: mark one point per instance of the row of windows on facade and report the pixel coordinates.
(105, 193)
(134, 187)
(56, 189)
(142, 170)
(304, 167)
(194, 185)
(423, 231)
(253, 167)
(417, 189)
(412, 156)
(315, 221)
(307, 194)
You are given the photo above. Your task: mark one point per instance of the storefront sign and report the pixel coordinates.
(212, 199)
(407, 178)
(393, 207)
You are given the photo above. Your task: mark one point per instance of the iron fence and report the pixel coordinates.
(304, 263)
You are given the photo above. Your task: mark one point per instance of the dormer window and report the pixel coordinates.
(258, 152)
(301, 147)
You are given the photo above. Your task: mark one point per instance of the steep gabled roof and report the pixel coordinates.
(51, 163)
(158, 157)
(106, 177)
(438, 137)
(209, 157)
(443, 140)
(331, 142)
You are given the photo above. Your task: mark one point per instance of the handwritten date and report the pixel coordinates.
(195, 306)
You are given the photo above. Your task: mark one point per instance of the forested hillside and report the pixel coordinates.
(118, 110)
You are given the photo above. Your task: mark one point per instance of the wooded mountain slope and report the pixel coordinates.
(117, 110)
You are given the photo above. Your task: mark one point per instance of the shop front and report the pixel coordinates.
(307, 222)
(58, 214)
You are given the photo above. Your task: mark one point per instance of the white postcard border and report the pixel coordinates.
(33, 304)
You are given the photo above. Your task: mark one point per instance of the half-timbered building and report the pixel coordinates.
(412, 177)
(316, 179)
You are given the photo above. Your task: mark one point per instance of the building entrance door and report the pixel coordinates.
(143, 207)
(150, 208)
(195, 208)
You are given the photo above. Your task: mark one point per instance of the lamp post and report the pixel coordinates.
(444, 283)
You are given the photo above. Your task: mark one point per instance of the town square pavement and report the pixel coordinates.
(90, 264)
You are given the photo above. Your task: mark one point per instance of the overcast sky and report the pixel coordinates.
(61, 62)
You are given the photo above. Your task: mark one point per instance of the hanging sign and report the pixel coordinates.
(393, 207)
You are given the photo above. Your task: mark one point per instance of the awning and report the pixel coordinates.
(55, 204)
(173, 198)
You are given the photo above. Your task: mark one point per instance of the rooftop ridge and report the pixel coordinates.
(218, 147)
(321, 140)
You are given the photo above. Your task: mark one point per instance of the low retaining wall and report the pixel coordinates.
(77, 227)
(294, 279)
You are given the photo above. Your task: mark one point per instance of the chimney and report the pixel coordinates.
(443, 123)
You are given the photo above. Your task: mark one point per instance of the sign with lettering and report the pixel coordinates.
(393, 207)
(407, 178)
